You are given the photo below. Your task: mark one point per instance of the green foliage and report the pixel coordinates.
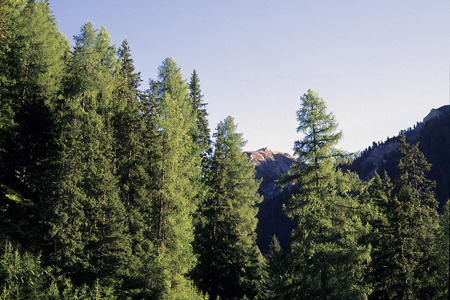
(434, 141)
(177, 181)
(31, 56)
(328, 260)
(201, 133)
(276, 278)
(442, 254)
(131, 163)
(229, 260)
(414, 214)
(404, 232)
(122, 194)
(86, 216)
(22, 277)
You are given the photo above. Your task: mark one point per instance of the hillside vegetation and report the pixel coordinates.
(111, 192)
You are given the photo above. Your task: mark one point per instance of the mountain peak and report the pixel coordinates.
(432, 114)
(265, 149)
(265, 155)
(269, 166)
(270, 163)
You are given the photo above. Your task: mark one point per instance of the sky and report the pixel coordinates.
(380, 66)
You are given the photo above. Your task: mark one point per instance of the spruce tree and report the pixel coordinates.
(201, 133)
(200, 136)
(86, 214)
(31, 56)
(327, 257)
(405, 246)
(130, 153)
(229, 260)
(276, 279)
(381, 238)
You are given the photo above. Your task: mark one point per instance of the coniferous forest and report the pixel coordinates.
(112, 192)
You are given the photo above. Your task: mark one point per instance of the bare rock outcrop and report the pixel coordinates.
(269, 165)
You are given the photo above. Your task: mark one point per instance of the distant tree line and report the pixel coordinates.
(110, 192)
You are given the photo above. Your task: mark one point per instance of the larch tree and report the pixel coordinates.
(175, 162)
(229, 260)
(327, 257)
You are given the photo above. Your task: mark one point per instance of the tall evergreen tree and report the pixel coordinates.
(31, 56)
(128, 125)
(229, 260)
(381, 238)
(276, 279)
(201, 133)
(87, 216)
(176, 184)
(328, 259)
(131, 156)
(406, 239)
(201, 136)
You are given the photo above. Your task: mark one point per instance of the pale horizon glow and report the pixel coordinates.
(380, 66)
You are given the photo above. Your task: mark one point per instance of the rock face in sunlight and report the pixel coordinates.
(268, 166)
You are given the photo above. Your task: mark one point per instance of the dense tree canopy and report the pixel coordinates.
(111, 192)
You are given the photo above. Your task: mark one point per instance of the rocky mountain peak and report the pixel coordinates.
(267, 158)
(434, 141)
(269, 165)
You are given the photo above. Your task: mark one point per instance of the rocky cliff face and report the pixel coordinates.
(435, 113)
(269, 165)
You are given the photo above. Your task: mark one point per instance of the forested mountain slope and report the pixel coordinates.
(433, 135)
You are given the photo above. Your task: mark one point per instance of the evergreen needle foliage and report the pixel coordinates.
(110, 192)
(328, 260)
(229, 260)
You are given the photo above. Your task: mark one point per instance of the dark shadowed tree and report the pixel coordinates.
(87, 217)
(32, 62)
(405, 246)
(229, 260)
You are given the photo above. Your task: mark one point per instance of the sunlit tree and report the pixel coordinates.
(327, 258)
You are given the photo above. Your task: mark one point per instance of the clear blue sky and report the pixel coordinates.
(379, 65)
